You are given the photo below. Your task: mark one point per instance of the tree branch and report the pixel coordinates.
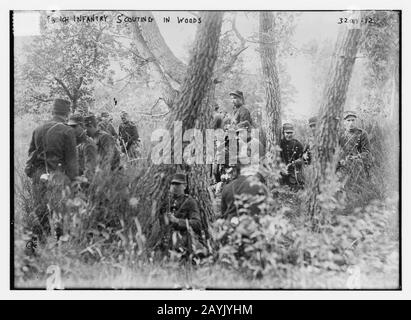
(65, 88)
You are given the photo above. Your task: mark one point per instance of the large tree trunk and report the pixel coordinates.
(168, 92)
(173, 67)
(191, 110)
(272, 87)
(331, 112)
(171, 70)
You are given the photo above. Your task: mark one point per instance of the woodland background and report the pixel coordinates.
(94, 64)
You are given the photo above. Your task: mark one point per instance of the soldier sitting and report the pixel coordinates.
(355, 146)
(129, 138)
(180, 220)
(291, 155)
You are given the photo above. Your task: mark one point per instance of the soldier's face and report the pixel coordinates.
(177, 188)
(349, 123)
(237, 101)
(288, 135)
(124, 118)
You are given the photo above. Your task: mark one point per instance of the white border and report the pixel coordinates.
(5, 293)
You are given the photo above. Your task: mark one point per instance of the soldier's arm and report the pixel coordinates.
(70, 154)
(193, 217)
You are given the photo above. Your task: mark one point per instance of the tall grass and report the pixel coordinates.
(104, 242)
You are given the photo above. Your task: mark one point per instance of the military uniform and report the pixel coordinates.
(87, 153)
(55, 145)
(184, 208)
(242, 115)
(291, 154)
(108, 153)
(53, 151)
(106, 126)
(248, 186)
(129, 137)
(355, 150)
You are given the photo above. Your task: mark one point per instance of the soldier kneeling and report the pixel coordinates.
(181, 222)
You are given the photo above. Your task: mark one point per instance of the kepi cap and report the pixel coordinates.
(179, 178)
(348, 114)
(237, 93)
(61, 107)
(288, 127)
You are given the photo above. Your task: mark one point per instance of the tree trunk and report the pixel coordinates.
(152, 46)
(168, 92)
(191, 110)
(331, 112)
(172, 66)
(272, 88)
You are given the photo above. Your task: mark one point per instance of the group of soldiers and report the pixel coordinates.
(72, 146)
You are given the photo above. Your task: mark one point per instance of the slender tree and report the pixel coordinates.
(331, 112)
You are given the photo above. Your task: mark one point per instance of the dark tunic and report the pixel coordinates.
(184, 208)
(242, 116)
(249, 187)
(55, 143)
(291, 154)
(128, 134)
(108, 153)
(107, 127)
(87, 153)
(355, 143)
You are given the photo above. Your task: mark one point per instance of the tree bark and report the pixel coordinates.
(172, 66)
(152, 46)
(168, 92)
(331, 112)
(268, 55)
(191, 110)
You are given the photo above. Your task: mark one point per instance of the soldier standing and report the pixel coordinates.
(307, 154)
(291, 155)
(129, 138)
(241, 116)
(105, 124)
(86, 147)
(180, 220)
(52, 163)
(355, 146)
(108, 154)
